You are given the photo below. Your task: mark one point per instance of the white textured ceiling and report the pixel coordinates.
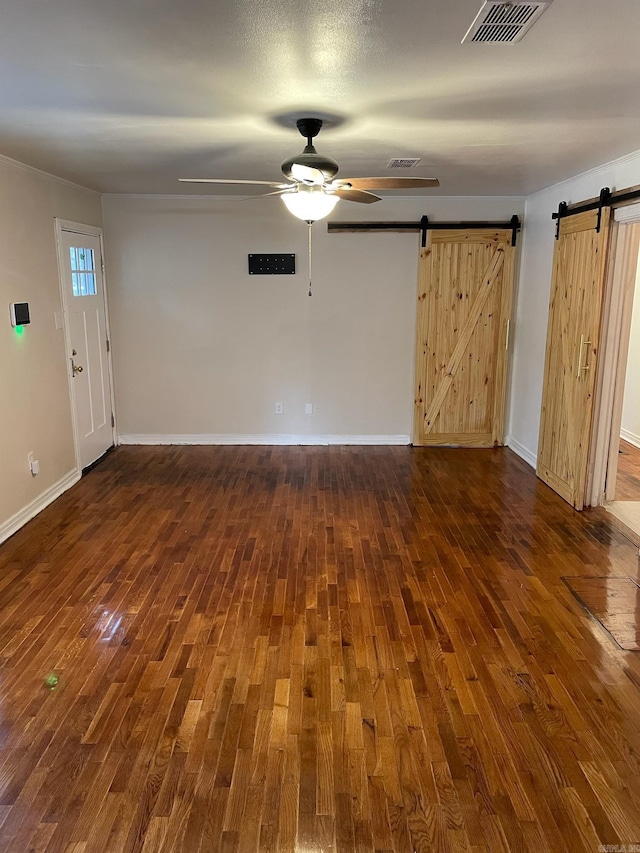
(129, 95)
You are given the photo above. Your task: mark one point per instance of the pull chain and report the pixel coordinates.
(310, 223)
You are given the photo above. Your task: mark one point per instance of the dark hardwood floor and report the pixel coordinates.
(313, 649)
(628, 477)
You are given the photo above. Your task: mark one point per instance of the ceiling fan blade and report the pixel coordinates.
(307, 174)
(278, 184)
(388, 183)
(356, 195)
(268, 195)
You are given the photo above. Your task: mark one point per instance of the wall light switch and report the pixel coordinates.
(308, 408)
(57, 316)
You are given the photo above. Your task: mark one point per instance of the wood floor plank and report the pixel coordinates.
(331, 649)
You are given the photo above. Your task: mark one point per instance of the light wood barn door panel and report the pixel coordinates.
(570, 360)
(465, 282)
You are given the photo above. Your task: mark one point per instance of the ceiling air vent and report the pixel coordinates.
(499, 22)
(403, 162)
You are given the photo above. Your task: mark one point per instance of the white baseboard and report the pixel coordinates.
(523, 452)
(631, 437)
(13, 524)
(268, 438)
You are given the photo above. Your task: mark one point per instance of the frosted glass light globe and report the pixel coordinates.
(310, 203)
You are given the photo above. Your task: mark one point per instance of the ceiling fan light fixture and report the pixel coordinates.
(312, 189)
(310, 203)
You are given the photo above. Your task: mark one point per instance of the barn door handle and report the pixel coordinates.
(583, 343)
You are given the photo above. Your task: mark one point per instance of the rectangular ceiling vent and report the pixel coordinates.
(498, 22)
(403, 162)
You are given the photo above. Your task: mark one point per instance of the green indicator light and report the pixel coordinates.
(19, 330)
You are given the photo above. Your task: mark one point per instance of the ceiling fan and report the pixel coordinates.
(312, 189)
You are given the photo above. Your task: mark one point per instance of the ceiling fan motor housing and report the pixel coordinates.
(310, 157)
(309, 128)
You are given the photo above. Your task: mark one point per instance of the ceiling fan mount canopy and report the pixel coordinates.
(309, 128)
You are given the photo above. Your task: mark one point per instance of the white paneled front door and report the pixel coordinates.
(87, 342)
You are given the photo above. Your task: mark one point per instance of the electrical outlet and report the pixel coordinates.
(279, 408)
(308, 408)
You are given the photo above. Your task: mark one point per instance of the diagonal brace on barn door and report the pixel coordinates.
(488, 280)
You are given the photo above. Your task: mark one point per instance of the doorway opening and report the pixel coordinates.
(623, 496)
(615, 456)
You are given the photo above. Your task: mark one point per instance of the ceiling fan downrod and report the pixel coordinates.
(309, 128)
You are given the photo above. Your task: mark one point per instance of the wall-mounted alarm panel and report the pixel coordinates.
(19, 313)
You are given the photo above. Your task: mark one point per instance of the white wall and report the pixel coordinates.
(534, 288)
(35, 413)
(203, 349)
(631, 407)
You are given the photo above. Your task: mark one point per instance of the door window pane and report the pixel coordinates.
(83, 275)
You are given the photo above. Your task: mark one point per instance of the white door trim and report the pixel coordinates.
(614, 347)
(628, 213)
(77, 228)
(61, 226)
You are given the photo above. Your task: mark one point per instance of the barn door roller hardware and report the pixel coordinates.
(424, 225)
(607, 198)
(604, 200)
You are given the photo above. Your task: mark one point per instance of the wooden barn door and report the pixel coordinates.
(572, 348)
(465, 283)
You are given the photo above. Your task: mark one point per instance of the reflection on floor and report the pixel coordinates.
(615, 603)
(628, 480)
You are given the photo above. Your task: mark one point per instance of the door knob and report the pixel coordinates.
(76, 368)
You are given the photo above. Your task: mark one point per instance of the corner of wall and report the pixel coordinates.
(523, 452)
